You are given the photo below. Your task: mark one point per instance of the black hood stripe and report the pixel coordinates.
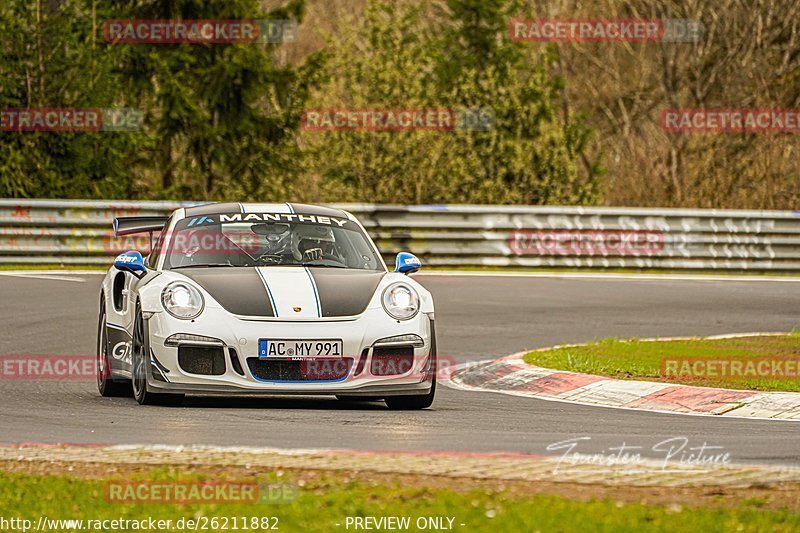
(242, 291)
(239, 290)
(344, 292)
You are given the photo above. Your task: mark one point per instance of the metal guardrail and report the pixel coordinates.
(79, 232)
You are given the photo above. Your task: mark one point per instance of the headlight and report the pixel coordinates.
(401, 301)
(181, 300)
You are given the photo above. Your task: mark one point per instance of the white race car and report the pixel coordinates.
(263, 299)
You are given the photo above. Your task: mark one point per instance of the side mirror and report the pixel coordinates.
(131, 262)
(406, 263)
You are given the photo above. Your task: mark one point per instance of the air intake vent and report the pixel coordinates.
(362, 362)
(202, 360)
(392, 360)
(311, 370)
(237, 366)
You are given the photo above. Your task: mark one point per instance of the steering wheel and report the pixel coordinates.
(272, 259)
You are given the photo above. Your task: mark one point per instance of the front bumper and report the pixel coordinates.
(360, 336)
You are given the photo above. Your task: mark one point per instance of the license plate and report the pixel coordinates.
(268, 348)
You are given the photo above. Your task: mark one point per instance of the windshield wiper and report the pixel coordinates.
(323, 266)
(205, 265)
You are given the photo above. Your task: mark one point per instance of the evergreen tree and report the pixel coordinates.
(50, 57)
(225, 115)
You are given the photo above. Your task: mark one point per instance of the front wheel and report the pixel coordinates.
(141, 366)
(418, 401)
(409, 403)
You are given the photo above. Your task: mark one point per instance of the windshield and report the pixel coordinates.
(269, 239)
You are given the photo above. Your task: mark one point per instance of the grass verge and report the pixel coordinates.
(673, 361)
(323, 500)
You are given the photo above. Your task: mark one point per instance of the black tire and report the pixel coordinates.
(140, 365)
(418, 401)
(412, 402)
(106, 385)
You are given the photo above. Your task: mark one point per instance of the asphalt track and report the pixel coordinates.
(477, 318)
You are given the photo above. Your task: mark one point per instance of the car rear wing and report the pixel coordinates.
(131, 225)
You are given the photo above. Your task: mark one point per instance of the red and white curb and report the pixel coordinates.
(511, 375)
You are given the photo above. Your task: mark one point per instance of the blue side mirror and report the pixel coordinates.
(406, 263)
(131, 262)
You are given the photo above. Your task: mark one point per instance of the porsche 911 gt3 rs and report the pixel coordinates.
(263, 299)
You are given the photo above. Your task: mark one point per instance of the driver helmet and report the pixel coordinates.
(276, 238)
